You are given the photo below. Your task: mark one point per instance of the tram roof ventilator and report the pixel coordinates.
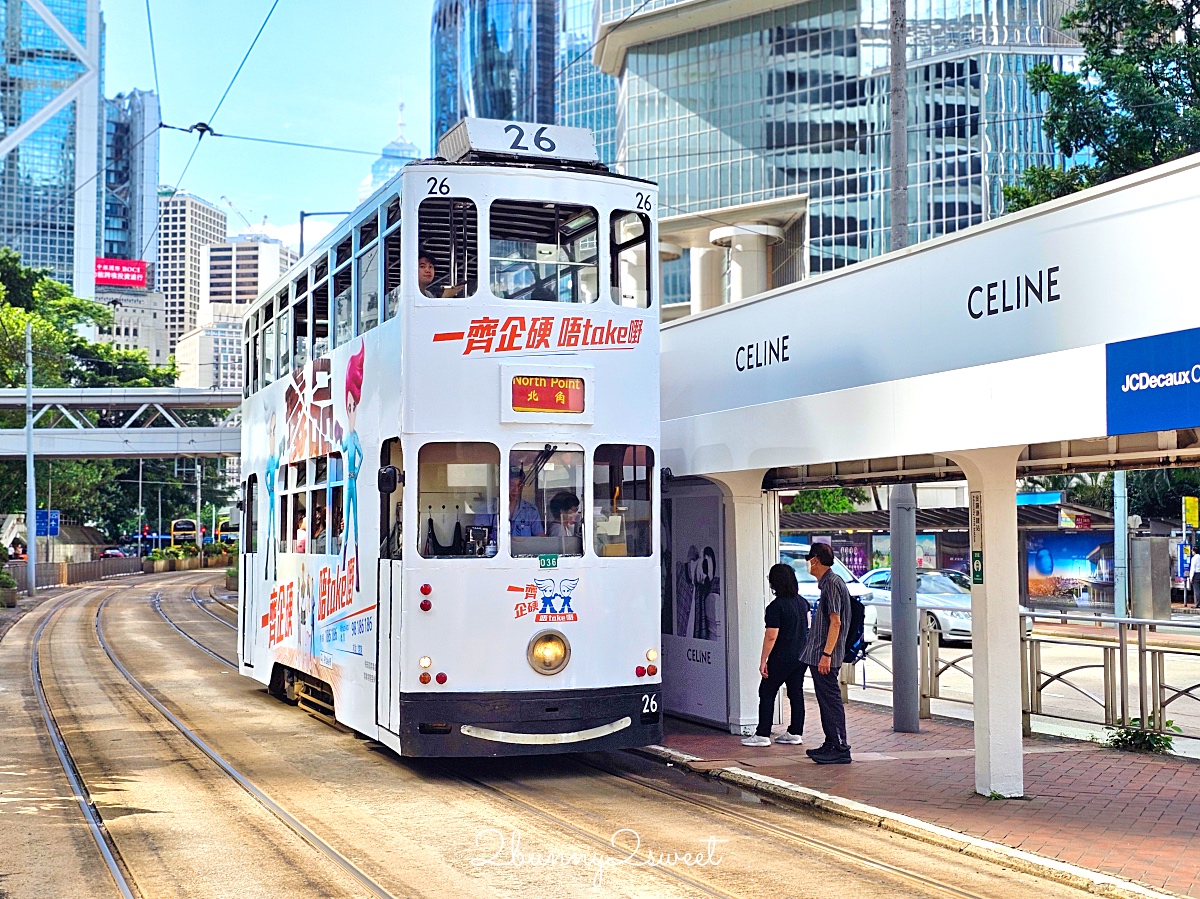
(492, 141)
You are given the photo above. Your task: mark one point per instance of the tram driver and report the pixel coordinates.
(428, 280)
(524, 520)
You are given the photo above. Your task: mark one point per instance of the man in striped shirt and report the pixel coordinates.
(823, 653)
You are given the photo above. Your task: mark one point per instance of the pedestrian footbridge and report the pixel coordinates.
(118, 422)
(1059, 339)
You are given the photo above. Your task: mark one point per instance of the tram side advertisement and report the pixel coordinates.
(312, 602)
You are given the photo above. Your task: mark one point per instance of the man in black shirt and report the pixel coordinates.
(824, 652)
(784, 640)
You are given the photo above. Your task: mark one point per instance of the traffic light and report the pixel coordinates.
(145, 530)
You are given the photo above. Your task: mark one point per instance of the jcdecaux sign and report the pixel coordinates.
(1153, 383)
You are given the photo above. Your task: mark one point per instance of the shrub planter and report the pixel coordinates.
(8, 597)
(155, 566)
(231, 583)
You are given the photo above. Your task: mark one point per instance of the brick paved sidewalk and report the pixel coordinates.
(1130, 815)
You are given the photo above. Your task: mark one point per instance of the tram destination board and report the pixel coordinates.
(536, 393)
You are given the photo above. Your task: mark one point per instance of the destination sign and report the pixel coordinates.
(538, 393)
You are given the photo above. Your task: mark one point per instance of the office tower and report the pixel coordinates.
(130, 215)
(50, 102)
(585, 96)
(186, 225)
(139, 321)
(211, 355)
(236, 271)
(398, 153)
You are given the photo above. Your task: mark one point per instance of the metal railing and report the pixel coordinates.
(1145, 684)
(63, 574)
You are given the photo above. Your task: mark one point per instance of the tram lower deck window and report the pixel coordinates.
(545, 486)
(544, 251)
(458, 499)
(623, 501)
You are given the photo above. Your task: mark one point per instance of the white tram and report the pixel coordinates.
(449, 443)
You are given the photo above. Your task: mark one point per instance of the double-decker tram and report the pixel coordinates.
(227, 531)
(450, 442)
(183, 530)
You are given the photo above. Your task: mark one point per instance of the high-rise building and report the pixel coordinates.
(235, 272)
(493, 59)
(186, 225)
(211, 355)
(766, 125)
(398, 153)
(51, 91)
(139, 322)
(130, 215)
(585, 97)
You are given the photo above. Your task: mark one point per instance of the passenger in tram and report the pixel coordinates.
(524, 520)
(564, 508)
(301, 532)
(428, 280)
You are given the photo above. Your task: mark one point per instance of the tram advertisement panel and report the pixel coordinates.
(694, 604)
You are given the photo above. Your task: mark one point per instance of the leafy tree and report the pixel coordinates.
(1135, 102)
(19, 280)
(827, 499)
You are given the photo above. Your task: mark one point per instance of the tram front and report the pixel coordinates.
(525, 597)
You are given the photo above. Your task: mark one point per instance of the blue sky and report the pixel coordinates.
(322, 72)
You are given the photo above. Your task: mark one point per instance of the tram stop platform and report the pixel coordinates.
(1126, 815)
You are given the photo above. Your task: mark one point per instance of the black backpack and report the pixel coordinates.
(856, 644)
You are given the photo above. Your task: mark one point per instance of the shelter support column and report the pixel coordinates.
(751, 545)
(747, 242)
(706, 274)
(995, 606)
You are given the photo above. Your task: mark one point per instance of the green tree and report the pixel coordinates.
(827, 499)
(1134, 103)
(19, 280)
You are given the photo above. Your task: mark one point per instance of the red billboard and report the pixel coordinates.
(120, 272)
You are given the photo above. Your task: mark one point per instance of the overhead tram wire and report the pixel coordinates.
(153, 57)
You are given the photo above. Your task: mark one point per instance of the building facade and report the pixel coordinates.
(50, 101)
(187, 224)
(585, 97)
(767, 127)
(493, 59)
(130, 215)
(211, 356)
(139, 322)
(235, 272)
(398, 153)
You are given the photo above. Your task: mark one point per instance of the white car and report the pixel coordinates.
(794, 554)
(943, 594)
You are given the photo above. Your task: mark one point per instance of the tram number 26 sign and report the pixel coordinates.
(540, 393)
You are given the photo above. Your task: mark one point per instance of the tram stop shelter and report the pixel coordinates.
(1059, 339)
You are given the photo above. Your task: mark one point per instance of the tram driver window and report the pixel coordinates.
(544, 251)
(391, 506)
(458, 499)
(623, 478)
(630, 259)
(545, 492)
(449, 245)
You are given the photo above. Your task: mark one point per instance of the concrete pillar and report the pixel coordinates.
(751, 547)
(995, 622)
(747, 242)
(706, 270)
(906, 686)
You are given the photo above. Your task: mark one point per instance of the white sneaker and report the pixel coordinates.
(756, 740)
(788, 737)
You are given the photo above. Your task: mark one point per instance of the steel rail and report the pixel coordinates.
(82, 797)
(156, 604)
(241, 780)
(787, 833)
(211, 614)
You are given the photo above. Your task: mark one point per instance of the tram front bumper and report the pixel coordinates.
(530, 723)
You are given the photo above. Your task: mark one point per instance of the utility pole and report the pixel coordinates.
(139, 550)
(1121, 545)
(158, 533)
(898, 100)
(303, 216)
(199, 476)
(30, 482)
(906, 689)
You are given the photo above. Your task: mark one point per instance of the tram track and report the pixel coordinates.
(122, 867)
(209, 612)
(577, 821)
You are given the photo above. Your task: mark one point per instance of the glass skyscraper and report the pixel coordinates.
(130, 215)
(793, 101)
(586, 97)
(493, 59)
(50, 142)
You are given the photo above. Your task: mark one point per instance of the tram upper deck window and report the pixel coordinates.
(391, 272)
(623, 479)
(320, 320)
(268, 353)
(630, 259)
(343, 304)
(300, 332)
(344, 251)
(449, 237)
(544, 251)
(368, 289)
(458, 498)
(545, 490)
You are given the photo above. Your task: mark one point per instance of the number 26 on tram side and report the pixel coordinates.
(450, 447)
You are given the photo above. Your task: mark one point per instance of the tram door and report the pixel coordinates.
(390, 581)
(250, 586)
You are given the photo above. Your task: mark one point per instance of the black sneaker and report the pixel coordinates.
(834, 756)
(820, 750)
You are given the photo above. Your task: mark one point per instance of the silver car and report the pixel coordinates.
(943, 594)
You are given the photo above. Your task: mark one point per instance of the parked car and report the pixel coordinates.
(794, 554)
(943, 593)
(113, 553)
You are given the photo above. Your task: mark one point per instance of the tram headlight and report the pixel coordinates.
(548, 652)
(651, 655)
(425, 661)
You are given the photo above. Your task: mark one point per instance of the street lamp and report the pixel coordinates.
(303, 216)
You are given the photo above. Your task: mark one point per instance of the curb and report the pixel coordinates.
(1017, 859)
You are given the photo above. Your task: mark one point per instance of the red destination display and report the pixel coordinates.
(534, 393)
(120, 272)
